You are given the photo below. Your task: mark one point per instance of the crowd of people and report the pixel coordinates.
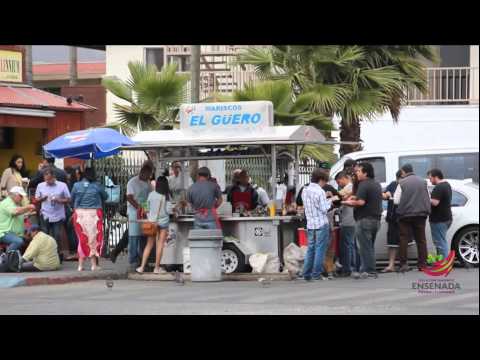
(359, 201)
(72, 202)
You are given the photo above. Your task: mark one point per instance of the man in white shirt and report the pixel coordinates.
(316, 207)
(176, 182)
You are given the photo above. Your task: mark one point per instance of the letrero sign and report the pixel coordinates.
(11, 66)
(246, 116)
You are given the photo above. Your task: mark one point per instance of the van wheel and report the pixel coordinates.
(465, 244)
(232, 259)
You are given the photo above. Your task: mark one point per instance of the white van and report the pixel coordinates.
(461, 163)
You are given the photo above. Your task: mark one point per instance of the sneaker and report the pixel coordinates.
(322, 278)
(307, 278)
(330, 276)
(404, 269)
(373, 275)
(364, 275)
(344, 274)
(159, 271)
(356, 275)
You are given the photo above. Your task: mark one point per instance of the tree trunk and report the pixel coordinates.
(28, 65)
(195, 79)
(350, 132)
(73, 66)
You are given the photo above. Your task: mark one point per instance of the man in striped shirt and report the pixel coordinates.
(316, 207)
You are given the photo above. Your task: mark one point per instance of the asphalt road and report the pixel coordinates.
(389, 294)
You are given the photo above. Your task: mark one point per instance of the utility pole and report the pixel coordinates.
(73, 66)
(28, 65)
(195, 71)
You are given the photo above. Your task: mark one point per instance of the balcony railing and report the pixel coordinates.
(452, 85)
(448, 85)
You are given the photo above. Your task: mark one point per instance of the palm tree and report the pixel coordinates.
(286, 112)
(154, 97)
(354, 83)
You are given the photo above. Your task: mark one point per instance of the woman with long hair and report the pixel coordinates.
(14, 175)
(88, 197)
(157, 205)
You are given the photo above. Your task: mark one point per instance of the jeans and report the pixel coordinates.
(439, 237)
(28, 266)
(204, 224)
(318, 241)
(366, 230)
(134, 249)
(347, 239)
(14, 242)
(413, 226)
(355, 257)
(54, 229)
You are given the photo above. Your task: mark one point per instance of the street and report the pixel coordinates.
(389, 294)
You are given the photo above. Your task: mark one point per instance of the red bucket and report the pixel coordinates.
(302, 237)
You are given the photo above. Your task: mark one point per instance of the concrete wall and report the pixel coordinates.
(474, 78)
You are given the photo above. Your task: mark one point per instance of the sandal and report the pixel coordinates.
(139, 270)
(387, 270)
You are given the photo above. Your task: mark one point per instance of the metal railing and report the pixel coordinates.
(448, 85)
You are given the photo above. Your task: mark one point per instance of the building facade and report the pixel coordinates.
(30, 117)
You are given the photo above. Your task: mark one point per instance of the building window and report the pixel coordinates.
(182, 61)
(155, 56)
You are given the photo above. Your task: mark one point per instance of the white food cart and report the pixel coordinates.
(206, 130)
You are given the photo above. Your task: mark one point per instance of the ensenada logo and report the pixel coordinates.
(440, 266)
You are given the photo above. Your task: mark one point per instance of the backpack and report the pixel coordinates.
(3, 262)
(14, 261)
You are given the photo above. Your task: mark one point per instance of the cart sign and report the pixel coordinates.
(247, 116)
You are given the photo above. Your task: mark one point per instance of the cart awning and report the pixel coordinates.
(289, 135)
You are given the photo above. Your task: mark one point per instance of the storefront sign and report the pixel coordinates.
(226, 117)
(11, 66)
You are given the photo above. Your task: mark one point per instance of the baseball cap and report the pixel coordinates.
(18, 190)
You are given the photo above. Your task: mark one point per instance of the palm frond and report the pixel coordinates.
(118, 88)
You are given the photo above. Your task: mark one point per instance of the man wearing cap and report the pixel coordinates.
(12, 215)
(205, 197)
(41, 253)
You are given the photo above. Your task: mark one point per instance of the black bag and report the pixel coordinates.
(14, 261)
(3, 262)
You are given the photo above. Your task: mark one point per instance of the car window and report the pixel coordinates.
(378, 164)
(421, 163)
(458, 199)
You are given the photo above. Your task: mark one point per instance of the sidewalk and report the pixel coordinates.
(67, 274)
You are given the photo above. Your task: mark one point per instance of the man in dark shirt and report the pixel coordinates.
(242, 194)
(367, 213)
(441, 214)
(47, 163)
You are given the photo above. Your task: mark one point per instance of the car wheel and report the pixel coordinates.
(233, 260)
(465, 244)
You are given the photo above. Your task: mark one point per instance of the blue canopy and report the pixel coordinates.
(87, 144)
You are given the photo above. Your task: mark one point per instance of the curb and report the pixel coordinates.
(225, 277)
(11, 282)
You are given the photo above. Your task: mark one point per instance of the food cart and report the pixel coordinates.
(207, 131)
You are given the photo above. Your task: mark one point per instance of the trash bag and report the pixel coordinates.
(262, 263)
(293, 257)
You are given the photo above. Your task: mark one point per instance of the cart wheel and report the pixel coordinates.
(233, 259)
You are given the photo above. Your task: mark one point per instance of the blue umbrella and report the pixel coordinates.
(87, 144)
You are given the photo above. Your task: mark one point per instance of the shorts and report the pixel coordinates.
(163, 227)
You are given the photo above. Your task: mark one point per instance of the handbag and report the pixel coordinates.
(149, 228)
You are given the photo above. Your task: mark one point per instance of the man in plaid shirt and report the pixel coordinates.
(316, 207)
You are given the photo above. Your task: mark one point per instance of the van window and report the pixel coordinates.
(378, 164)
(420, 163)
(458, 166)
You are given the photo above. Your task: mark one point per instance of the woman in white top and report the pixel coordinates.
(157, 205)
